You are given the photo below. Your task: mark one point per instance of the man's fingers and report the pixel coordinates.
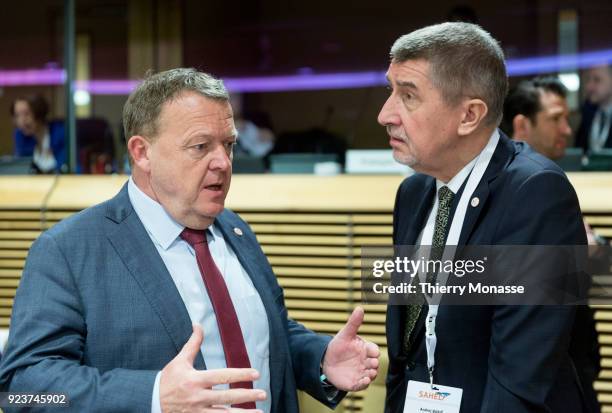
(351, 327)
(234, 396)
(191, 348)
(226, 376)
(363, 383)
(371, 373)
(372, 350)
(371, 363)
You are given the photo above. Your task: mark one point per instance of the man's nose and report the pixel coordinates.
(566, 129)
(388, 114)
(221, 160)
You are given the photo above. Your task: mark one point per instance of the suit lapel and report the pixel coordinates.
(135, 248)
(500, 159)
(252, 262)
(417, 220)
(481, 193)
(412, 219)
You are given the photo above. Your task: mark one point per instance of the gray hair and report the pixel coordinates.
(143, 106)
(465, 61)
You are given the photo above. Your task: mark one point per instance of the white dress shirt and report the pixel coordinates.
(600, 128)
(179, 258)
(43, 156)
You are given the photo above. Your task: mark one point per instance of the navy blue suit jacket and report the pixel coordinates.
(97, 315)
(588, 112)
(510, 359)
(24, 144)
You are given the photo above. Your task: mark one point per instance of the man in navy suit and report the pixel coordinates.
(160, 298)
(448, 84)
(595, 130)
(536, 112)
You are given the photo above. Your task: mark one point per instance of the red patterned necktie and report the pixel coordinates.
(236, 355)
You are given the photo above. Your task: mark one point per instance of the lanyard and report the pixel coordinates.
(482, 162)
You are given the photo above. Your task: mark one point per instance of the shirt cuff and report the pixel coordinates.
(331, 393)
(155, 402)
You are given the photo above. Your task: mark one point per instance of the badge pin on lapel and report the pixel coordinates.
(475, 201)
(238, 231)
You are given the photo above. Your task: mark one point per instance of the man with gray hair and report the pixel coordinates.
(473, 186)
(160, 299)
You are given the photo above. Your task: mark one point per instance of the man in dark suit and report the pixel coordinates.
(448, 84)
(536, 112)
(108, 297)
(595, 130)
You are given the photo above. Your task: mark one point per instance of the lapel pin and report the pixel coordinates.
(475, 201)
(238, 231)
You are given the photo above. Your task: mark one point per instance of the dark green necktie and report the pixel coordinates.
(445, 199)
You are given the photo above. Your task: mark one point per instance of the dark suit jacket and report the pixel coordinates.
(97, 315)
(510, 359)
(588, 112)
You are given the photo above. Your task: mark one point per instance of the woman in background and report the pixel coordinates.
(35, 137)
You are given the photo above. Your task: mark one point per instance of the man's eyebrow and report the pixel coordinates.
(408, 84)
(198, 137)
(403, 83)
(556, 111)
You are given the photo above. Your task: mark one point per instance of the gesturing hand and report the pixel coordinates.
(350, 362)
(182, 388)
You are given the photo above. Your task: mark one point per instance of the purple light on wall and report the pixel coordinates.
(558, 63)
(306, 82)
(108, 87)
(32, 77)
(515, 67)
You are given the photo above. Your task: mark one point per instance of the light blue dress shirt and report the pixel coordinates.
(179, 258)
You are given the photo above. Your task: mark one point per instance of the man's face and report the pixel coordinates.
(550, 132)
(24, 118)
(190, 161)
(599, 85)
(421, 126)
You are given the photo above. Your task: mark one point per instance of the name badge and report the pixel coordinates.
(422, 398)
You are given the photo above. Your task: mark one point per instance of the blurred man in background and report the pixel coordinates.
(595, 130)
(536, 112)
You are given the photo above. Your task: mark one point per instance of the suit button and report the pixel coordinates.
(411, 365)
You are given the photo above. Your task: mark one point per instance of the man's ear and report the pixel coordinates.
(472, 116)
(521, 125)
(138, 148)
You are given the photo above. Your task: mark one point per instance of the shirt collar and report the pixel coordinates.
(162, 228)
(455, 183)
